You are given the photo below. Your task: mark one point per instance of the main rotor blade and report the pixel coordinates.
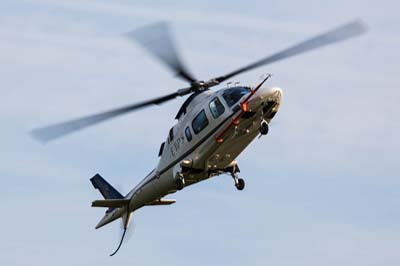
(157, 39)
(49, 133)
(344, 32)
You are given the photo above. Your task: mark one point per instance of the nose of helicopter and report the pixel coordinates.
(265, 94)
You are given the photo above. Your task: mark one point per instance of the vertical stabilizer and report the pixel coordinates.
(108, 191)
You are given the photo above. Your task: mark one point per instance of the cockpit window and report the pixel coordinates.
(233, 95)
(199, 122)
(216, 108)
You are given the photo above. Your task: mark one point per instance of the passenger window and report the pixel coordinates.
(161, 149)
(171, 134)
(199, 122)
(216, 108)
(188, 134)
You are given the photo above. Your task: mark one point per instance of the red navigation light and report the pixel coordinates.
(244, 107)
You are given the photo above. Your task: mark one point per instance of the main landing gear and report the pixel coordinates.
(233, 171)
(239, 182)
(180, 182)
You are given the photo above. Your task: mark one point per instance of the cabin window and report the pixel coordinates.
(161, 149)
(216, 108)
(199, 122)
(233, 95)
(188, 134)
(171, 134)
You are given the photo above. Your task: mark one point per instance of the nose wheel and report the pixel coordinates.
(264, 127)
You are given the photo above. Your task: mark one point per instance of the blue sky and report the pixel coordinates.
(321, 188)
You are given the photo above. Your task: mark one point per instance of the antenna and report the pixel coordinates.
(263, 76)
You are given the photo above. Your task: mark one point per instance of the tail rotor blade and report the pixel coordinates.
(126, 220)
(120, 242)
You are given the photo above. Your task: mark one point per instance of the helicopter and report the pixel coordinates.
(212, 128)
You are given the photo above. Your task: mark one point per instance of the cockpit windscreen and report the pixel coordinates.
(233, 95)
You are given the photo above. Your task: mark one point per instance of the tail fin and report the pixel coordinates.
(113, 200)
(105, 188)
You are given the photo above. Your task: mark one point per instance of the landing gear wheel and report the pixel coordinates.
(180, 183)
(240, 184)
(264, 128)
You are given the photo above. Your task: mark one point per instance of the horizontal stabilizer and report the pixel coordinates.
(161, 202)
(111, 203)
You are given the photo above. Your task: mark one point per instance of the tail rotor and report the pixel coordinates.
(126, 220)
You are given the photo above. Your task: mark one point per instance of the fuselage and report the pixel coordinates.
(211, 131)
